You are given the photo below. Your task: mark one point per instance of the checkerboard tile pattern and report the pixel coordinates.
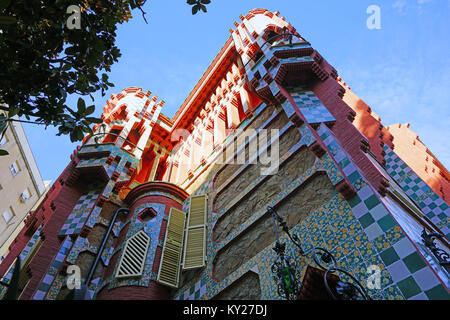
(360, 233)
(401, 258)
(434, 207)
(310, 106)
(85, 209)
(23, 255)
(52, 272)
(80, 212)
(196, 292)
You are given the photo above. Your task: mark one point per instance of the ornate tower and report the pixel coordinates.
(157, 208)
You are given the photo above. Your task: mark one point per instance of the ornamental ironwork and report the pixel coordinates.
(287, 273)
(441, 255)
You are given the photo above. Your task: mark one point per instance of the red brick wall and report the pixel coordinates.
(43, 214)
(346, 133)
(64, 202)
(419, 158)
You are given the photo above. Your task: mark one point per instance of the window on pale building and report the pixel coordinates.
(14, 167)
(3, 140)
(25, 195)
(8, 214)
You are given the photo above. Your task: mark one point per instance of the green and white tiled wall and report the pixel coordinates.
(434, 207)
(360, 232)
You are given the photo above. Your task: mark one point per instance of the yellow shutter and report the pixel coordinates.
(195, 244)
(169, 268)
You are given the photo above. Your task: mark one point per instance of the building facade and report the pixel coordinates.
(156, 208)
(21, 184)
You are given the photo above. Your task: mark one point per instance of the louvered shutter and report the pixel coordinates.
(195, 243)
(169, 268)
(133, 258)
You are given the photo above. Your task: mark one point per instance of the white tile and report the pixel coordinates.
(426, 279)
(373, 231)
(378, 212)
(404, 248)
(420, 296)
(398, 271)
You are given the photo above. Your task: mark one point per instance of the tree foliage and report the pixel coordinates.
(198, 5)
(43, 61)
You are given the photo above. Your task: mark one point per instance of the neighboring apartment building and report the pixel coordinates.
(159, 208)
(21, 184)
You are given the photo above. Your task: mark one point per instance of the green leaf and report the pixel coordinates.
(203, 7)
(195, 9)
(89, 110)
(81, 106)
(7, 20)
(13, 111)
(94, 120)
(80, 134)
(70, 51)
(4, 4)
(191, 2)
(3, 152)
(3, 123)
(205, 1)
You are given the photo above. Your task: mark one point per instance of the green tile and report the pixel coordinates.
(366, 220)
(354, 176)
(387, 222)
(344, 162)
(409, 287)
(354, 201)
(389, 256)
(372, 201)
(438, 293)
(414, 262)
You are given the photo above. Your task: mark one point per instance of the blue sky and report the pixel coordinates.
(402, 71)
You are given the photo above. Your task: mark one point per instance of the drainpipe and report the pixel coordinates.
(81, 294)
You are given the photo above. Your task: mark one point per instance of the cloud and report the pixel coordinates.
(400, 5)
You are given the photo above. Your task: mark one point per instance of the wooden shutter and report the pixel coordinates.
(169, 268)
(133, 257)
(195, 243)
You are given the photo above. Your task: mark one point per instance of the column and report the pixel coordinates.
(158, 154)
(232, 115)
(143, 139)
(219, 128)
(207, 140)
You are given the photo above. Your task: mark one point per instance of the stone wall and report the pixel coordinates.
(278, 123)
(245, 288)
(310, 196)
(289, 139)
(302, 160)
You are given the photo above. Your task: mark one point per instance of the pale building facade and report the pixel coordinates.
(21, 184)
